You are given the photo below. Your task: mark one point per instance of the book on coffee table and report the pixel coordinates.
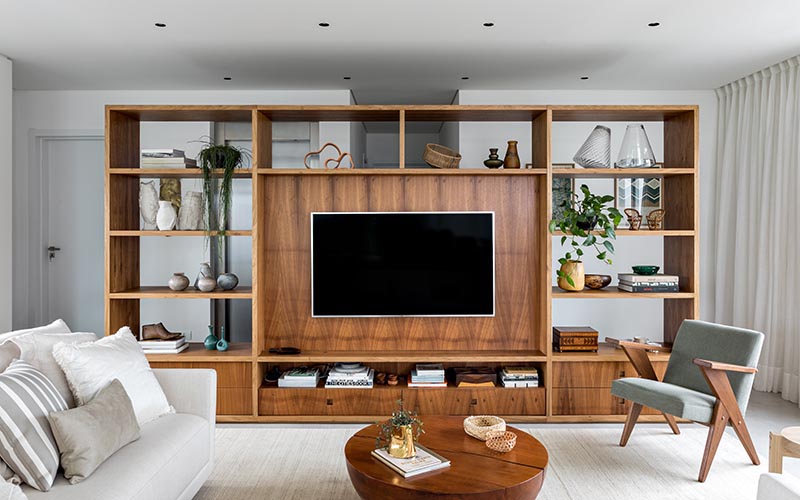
(425, 461)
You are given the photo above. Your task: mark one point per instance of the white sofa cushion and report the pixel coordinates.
(9, 352)
(778, 487)
(91, 366)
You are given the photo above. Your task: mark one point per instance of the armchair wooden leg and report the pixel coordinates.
(715, 431)
(672, 423)
(633, 416)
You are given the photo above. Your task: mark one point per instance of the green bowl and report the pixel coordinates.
(646, 270)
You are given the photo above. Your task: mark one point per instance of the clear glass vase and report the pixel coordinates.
(635, 151)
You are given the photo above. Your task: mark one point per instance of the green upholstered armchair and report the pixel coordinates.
(708, 380)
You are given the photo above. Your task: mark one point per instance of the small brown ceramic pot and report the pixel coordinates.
(597, 281)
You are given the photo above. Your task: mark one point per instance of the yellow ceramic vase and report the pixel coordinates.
(402, 442)
(573, 269)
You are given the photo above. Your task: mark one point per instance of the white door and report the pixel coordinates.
(73, 179)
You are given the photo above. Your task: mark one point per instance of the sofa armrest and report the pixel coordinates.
(192, 391)
(778, 487)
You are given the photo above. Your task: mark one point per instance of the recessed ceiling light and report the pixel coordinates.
(161, 25)
(227, 78)
(347, 78)
(488, 25)
(465, 78)
(324, 25)
(653, 25)
(584, 78)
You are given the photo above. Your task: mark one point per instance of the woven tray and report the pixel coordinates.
(438, 156)
(479, 426)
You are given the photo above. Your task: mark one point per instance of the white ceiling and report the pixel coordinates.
(405, 51)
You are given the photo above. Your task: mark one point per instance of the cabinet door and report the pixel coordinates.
(508, 401)
(234, 384)
(591, 401)
(328, 402)
(439, 401)
(596, 373)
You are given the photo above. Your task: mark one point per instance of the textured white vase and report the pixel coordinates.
(166, 217)
(148, 204)
(190, 217)
(596, 150)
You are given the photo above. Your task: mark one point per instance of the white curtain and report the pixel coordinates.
(757, 235)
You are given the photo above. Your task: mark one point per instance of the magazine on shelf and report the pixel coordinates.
(654, 278)
(162, 153)
(648, 288)
(177, 350)
(425, 461)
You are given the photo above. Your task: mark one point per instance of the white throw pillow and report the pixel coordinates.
(57, 326)
(37, 349)
(92, 366)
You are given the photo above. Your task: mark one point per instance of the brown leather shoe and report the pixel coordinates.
(158, 332)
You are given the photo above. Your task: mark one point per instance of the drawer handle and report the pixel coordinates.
(622, 374)
(473, 402)
(329, 402)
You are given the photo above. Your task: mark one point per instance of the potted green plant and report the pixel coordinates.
(399, 432)
(580, 217)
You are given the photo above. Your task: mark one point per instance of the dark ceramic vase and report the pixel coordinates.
(494, 160)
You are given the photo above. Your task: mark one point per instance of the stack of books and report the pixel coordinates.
(166, 158)
(300, 377)
(519, 376)
(427, 375)
(657, 283)
(350, 376)
(164, 346)
(425, 461)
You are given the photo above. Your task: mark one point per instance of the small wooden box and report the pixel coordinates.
(574, 339)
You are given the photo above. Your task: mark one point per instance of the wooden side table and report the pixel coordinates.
(785, 444)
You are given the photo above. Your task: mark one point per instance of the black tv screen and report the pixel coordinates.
(402, 264)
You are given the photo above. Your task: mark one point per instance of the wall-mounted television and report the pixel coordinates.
(378, 264)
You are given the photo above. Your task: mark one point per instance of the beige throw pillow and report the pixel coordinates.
(88, 435)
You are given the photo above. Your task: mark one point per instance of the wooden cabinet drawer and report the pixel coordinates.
(234, 401)
(331, 402)
(595, 373)
(235, 375)
(590, 401)
(508, 401)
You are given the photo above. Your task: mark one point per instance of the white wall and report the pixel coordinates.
(358, 140)
(84, 111)
(6, 191)
(642, 317)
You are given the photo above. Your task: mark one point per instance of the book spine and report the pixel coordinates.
(648, 289)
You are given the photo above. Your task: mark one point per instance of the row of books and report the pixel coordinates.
(427, 375)
(166, 158)
(164, 346)
(350, 376)
(657, 283)
(522, 376)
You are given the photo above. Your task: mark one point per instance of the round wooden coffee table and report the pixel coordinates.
(475, 470)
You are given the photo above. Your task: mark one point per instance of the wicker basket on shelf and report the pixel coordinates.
(479, 426)
(438, 156)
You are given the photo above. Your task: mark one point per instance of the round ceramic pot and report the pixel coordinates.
(205, 271)
(178, 282)
(167, 217)
(206, 284)
(222, 345)
(597, 281)
(573, 269)
(227, 281)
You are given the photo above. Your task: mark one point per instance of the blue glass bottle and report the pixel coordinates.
(210, 342)
(222, 344)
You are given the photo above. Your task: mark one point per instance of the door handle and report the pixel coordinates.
(52, 252)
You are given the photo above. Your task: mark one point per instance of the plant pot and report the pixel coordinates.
(573, 269)
(587, 225)
(402, 442)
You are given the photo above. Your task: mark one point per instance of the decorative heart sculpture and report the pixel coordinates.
(337, 161)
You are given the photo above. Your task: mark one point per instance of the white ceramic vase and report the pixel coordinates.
(205, 272)
(596, 150)
(190, 216)
(148, 204)
(166, 217)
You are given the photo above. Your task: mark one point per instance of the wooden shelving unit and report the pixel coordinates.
(575, 384)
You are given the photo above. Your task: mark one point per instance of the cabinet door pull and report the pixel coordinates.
(329, 402)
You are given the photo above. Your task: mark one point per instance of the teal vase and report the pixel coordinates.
(211, 341)
(222, 344)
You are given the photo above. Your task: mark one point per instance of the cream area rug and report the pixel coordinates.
(307, 463)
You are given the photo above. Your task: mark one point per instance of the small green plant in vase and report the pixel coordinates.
(399, 432)
(580, 217)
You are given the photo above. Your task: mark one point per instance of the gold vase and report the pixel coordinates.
(402, 442)
(573, 269)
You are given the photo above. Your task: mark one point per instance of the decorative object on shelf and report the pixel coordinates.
(272, 375)
(597, 281)
(494, 160)
(190, 216)
(640, 194)
(574, 339)
(157, 331)
(635, 151)
(563, 165)
(337, 161)
(222, 344)
(501, 442)
(169, 189)
(634, 219)
(227, 281)
(399, 432)
(392, 379)
(210, 343)
(655, 219)
(645, 270)
(178, 282)
(479, 426)
(512, 156)
(380, 378)
(166, 217)
(596, 149)
(148, 204)
(205, 272)
(474, 375)
(284, 351)
(648, 283)
(206, 284)
(562, 190)
(580, 217)
(438, 156)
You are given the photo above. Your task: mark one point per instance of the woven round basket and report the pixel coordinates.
(479, 426)
(501, 441)
(438, 156)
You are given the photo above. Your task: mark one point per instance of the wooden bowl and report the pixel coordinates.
(438, 156)
(597, 281)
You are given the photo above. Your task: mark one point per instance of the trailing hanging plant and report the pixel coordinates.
(400, 418)
(577, 222)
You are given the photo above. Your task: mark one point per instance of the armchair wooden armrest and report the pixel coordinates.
(728, 367)
(638, 357)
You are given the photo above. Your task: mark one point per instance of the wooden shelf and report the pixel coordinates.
(186, 113)
(190, 173)
(612, 292)
(163, 292)
(237, 352)
(405, 356)
(124, 232)
(605, 353)
(401, 171)
(642, 232)
(605, 113)
(581, 173)
(391, 113)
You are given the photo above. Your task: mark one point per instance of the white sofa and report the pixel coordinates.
(171, 460)
(778, 487)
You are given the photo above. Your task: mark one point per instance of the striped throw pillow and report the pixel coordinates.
(27, 444)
